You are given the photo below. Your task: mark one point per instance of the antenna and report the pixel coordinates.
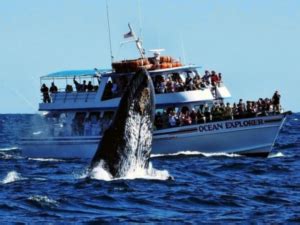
(109, 33)
(182, 49)
(140, 19)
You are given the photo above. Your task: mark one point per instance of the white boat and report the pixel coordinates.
(74, 120)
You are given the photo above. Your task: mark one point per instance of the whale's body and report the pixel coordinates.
(126, 144)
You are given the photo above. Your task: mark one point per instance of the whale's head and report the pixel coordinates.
(126, 144)
(139, 95)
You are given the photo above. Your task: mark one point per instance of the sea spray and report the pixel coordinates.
(150, 173)
(276, 155)
(11, 177)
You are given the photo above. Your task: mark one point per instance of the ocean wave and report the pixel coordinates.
(9, 156)
(11, 177)
(6, 156)
(9, 149)
(43, 200)
(194, 153)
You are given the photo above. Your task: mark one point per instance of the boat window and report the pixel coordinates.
(115, 87)
(92, 124)
(94, 115)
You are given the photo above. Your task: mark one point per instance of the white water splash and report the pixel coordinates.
(11, 177)
(43, 200)
(191, 153)
(276, 155)
(100, 173)
(150, 174)
(37, 133)
(46, 159)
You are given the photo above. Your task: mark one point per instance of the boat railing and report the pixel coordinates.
(64, 97)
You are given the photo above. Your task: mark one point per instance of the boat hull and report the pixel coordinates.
(251, 136)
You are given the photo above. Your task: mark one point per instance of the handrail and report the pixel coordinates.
(87, 96)
(69, 96)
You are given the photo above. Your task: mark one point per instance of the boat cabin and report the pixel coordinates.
(172, 86)
(85, 101)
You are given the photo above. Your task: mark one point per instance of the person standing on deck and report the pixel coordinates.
(45, 91)
(276, 101)
(53, 88)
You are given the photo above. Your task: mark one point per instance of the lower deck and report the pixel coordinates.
(244, 136)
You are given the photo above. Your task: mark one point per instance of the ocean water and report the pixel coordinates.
(206, 188)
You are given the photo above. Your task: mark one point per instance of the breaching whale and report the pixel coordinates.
(126, 144)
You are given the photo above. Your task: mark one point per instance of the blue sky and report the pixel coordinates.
(255, 44)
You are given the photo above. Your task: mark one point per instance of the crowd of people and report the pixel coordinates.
(218, 112)
(92, 124)
(84, 87)
(174, 82)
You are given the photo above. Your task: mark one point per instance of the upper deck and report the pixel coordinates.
(173, 86)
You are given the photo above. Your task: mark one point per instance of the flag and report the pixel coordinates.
(128, 35)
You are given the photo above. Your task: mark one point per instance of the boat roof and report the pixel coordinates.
(106, 72)
(72, 73)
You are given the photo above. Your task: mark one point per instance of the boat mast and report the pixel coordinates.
(138, 42)
(140, 20)
(109, 33)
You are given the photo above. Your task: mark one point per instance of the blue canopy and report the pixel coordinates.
(72, 73)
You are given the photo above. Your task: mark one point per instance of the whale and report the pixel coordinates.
(126, 145)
